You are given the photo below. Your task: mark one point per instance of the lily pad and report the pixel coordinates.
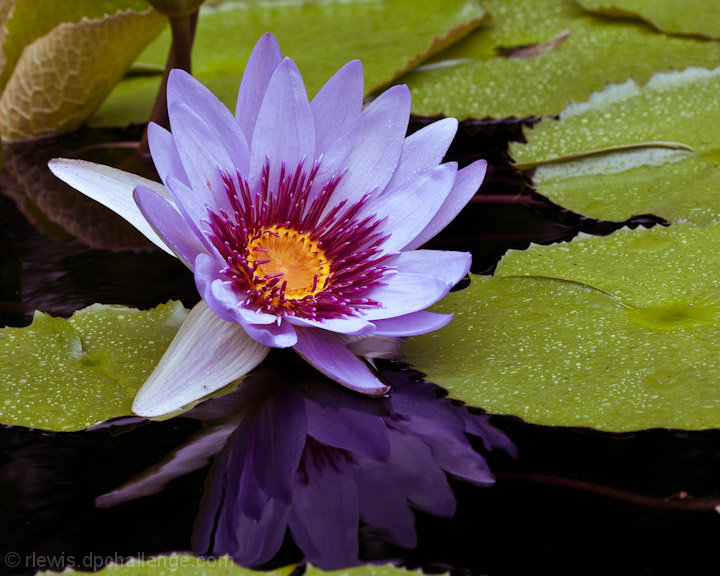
(23, 23)
(62, 76)
(474, 79)
(671, 16)
(679, 186)
(675, 266)
(186, 565)
(71, 374)
(643, 133)
(390, 37)
(556, 352)
(671, 107)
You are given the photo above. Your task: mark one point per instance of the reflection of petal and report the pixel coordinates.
(112, 188)
(192, 456)
(328, 539)
(205, 355)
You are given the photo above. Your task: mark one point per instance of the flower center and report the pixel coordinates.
(293, 257)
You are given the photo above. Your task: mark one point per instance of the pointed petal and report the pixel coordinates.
(337, 103)
(349, 325)
(367, 150)
(445, 265)
(274, 335)
(412, 324)
(169, 225)
(404, 293)
(204, 156)
(165, 155)
(206, 354)
(261, 65)
(425, 195)
(332, 358)
(112, 188)
(424, 150)
(183, 88)
(193, 455)
(285, 129)
(466, 185)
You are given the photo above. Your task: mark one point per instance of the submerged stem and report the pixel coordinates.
(183, 34)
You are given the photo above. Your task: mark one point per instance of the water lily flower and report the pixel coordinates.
(301, 221)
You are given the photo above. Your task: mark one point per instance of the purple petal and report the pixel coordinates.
(404, 293)
(367, 150)
(466, 185)
(165, 155)
(337, 103)
(261, 65)
(206, 354)
(352, 430)
(423, 150)
(348, 325)
(204, 156)
(280, 432)
(183, 88)
(412, 324)
(169, 225)
(285, 129)
(281, 335)
(192, 207)
(219, 294)
(325, 516)
(332, 358)
(448, 266)
(112, 188)
(425, 194)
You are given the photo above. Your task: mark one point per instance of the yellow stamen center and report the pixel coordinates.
(300, 260)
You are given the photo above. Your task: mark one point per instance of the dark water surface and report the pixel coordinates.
(574, 501)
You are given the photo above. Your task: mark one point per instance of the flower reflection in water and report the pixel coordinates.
(322, 462)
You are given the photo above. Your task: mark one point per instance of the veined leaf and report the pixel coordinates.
(62, 76)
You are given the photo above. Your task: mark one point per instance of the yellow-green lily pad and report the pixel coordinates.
(390, 37)
(477, 78)
(644, 134)
(556, 352)
(64, 375)
(186, 565)
(671, 16)
(659, 267)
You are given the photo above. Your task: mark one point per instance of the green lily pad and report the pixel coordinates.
(620, 182)
(63, 74)
(672, 106)
(474, 78)
(186, 565)
(675, 266)
(676, 185)
(671, 16)
(390, 37)
(556, 352)
(71, 374)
